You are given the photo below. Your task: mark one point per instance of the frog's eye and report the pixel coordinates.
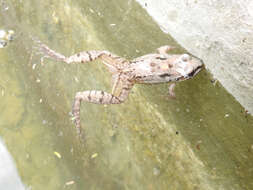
(185, 57)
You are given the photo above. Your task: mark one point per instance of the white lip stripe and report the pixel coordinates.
(181, 71)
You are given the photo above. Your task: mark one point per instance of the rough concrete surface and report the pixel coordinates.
(218, 32)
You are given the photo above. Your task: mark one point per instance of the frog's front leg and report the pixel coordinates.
(97, 97)
(164, 49)
(172, 90)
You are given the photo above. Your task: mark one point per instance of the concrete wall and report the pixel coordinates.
(219, 32)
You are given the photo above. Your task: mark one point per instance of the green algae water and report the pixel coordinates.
(200, 140)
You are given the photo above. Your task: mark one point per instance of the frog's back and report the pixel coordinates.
(158, 68)
(150, 57)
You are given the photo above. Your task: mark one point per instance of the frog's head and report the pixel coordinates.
(187, 66)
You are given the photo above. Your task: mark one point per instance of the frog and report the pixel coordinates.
(154, 68)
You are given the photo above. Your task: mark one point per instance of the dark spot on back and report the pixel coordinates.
(164, 75)
(152, 64)
(162, 58)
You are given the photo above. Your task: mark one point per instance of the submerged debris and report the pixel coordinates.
(57, 154)
(2, 43)
(94, 155)
(226, 115)
(156, 171)
(70, 183)
(5, 37)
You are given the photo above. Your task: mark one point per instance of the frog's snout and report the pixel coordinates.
(197, 67)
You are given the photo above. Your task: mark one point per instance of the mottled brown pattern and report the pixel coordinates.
(152, 68)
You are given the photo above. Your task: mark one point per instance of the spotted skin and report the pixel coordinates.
(148, 69)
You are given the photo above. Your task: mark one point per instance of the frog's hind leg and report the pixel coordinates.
(113, 62)
(97, 97)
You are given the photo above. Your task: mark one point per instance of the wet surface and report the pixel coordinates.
(200, 140)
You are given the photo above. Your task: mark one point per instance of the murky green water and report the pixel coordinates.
(200, 140)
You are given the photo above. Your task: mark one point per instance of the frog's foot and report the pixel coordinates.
(49, 53)
(45, 52)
